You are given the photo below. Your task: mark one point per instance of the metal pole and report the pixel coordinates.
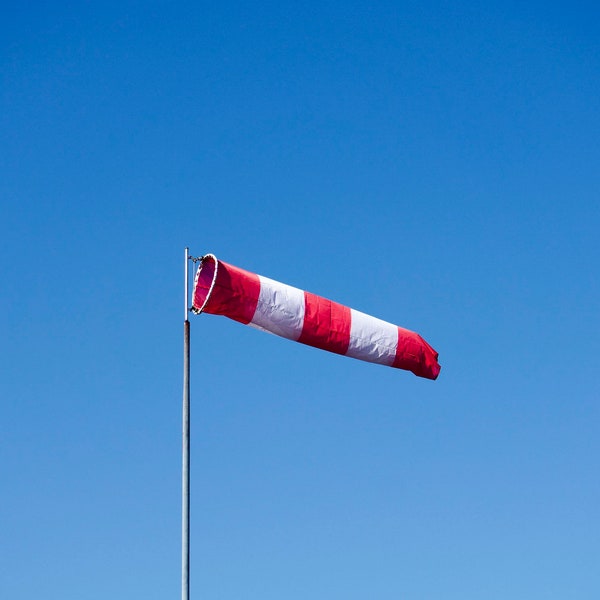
(185, 475)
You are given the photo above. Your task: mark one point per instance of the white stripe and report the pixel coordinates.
(372, 339)
(280, 309)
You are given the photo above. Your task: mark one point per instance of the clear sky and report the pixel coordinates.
(435, 164)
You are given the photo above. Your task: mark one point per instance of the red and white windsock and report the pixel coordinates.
(222, 289)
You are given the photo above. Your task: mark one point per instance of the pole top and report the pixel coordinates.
(186, 285)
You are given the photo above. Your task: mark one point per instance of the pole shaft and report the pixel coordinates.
(185, 470)
(185, 480)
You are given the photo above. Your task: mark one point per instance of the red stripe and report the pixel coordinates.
(415, 354)
(235, 293)
(326, 324)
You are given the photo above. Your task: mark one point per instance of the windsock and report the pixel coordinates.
(222, 289)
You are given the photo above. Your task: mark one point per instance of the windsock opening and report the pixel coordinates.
(204, 282)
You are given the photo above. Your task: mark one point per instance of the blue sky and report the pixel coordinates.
(434, 164)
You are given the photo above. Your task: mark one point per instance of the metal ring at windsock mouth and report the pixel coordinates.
(204, 282)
